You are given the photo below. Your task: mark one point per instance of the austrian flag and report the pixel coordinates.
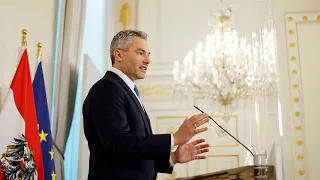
(20, 150)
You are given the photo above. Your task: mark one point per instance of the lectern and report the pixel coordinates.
(241, 173)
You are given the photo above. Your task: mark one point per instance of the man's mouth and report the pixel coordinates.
(143, 68)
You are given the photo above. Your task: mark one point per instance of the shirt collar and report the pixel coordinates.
(124, 77)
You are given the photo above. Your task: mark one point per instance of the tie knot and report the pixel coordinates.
(137, 91)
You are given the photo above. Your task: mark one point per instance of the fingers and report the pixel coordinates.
(197, 131)
(198, 117)
(186, 119)
(198, 141)
(202, 151)
(200, 157)
(201, 122)
(202, 146)
(189, 128)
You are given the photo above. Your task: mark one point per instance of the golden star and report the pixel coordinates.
(53, 176)
(43, 136)
(51, 153)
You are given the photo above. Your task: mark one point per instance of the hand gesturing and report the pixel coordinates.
(191, 151)
(189, 128)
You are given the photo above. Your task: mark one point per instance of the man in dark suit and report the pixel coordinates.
(117, 127)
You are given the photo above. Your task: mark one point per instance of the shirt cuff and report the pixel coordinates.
(171, 148)
(172, 142)
(170, 161)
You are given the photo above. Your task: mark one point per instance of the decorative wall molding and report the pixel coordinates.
(227, 161)
(1, 96)
(297, 113)
(157, 84)
(160, 70)
(218, 138)
(154, 91)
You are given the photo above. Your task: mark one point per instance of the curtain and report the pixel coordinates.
(76, 157)
(70, 25)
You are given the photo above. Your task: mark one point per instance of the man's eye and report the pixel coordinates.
(140, 53)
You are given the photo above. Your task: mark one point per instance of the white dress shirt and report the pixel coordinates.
(131, 85)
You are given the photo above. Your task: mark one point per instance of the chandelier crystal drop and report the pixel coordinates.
(226, 68)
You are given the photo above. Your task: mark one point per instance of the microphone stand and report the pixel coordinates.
(225, 131)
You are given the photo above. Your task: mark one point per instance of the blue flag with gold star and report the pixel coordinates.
(40, 99)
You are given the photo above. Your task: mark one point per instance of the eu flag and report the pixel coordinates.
(44, 124)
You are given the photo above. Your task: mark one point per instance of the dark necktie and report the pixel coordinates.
(137, 91)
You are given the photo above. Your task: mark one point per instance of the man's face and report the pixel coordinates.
(134, 62)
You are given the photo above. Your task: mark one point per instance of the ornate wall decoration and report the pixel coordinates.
(155, 91)
(217, 137)
(125, 15)
(297, 113)
(222, 161)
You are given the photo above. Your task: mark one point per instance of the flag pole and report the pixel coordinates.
(23, 44)
(39, 53)
(24, 33)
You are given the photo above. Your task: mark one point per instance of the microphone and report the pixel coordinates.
(225, 130)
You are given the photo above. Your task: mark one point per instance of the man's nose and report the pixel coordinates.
(147, 59)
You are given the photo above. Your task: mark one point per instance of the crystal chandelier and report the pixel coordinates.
(228, 69)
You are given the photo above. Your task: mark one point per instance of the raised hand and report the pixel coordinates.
(189, 128)
(191, 151)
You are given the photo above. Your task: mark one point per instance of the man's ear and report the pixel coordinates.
(117, 55)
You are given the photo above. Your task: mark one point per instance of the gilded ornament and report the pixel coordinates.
(295, 86)
(300, 157)
(125, 15)
(297, 114)
(298, 128)
(295, 99)
(301, 172)
(39, 53)
(305, 18)
(292, 45)
(293, 58)
(24, 37)
(299, 142)
(291, 32)
(154, 90)
(290, 19)
(220, 132)
(318, 18)
(294, 72)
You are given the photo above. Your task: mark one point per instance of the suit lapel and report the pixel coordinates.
(149, 122)
(142, 112)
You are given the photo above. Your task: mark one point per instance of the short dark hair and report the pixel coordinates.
(123, 40)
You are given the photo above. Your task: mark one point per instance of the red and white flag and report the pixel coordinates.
(20, 150)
